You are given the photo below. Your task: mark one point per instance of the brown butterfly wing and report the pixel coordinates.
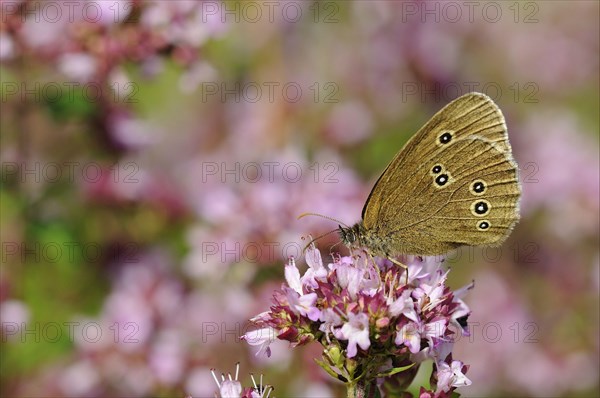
(417, 216)
(436, 218)
(468, 115)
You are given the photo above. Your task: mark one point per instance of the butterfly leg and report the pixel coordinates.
(373, 260)
(401, 265)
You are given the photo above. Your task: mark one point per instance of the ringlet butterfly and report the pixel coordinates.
(454, 183)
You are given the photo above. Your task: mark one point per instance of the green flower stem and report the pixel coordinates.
(360, 389)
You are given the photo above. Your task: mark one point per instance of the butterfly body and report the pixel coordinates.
(358, 236)
(454, 183)
(386, 246)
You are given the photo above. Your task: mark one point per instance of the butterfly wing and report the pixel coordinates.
(468, 115)
(422, 212)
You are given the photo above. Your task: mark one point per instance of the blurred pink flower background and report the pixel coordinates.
(180, 185)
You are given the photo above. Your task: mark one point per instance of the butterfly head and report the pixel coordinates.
(351, 236)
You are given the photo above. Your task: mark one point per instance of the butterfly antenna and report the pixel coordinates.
(317, 238)
(322, 216)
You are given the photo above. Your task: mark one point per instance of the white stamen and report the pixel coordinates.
(215, 377)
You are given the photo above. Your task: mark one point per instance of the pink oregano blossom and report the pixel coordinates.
(230, 387)
(374, 326)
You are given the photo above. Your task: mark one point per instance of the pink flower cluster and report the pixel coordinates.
(230, 387)
(367, 314)
(87, 41)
